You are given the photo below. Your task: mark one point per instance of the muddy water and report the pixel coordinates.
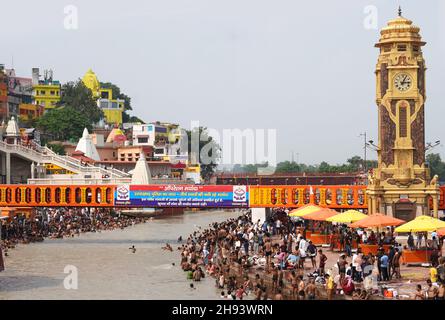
(106, 267)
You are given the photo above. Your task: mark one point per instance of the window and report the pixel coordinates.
(52, 92)
(401, 47)
(386, 48)
(402, 121)
(416, 49)
(143, 140)
(43, 92)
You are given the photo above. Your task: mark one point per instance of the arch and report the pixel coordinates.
(273, 196)
(38, 195)
(18, 195)
(88, 195)
(98, 195)
(8, 196)
(77, 195)
(28, 195)
(109, 195)
(307, 195)
(68, 193)
(328, 196)
(284, 194)
(48, 196)
(339, 197)
(295, 196)
(57, 195)
(361, 197)
(317, 196)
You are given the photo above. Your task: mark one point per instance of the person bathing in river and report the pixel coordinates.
(167, 247)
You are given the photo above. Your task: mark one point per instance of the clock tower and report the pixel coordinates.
(401, 185)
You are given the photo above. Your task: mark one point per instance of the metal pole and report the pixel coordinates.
(365, 166)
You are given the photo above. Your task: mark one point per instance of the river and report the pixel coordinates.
(106, 268)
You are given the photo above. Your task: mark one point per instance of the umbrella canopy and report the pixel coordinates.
(421, 224)
(347, 217)
(321, 215)
(304, 210)
(377, 220)
(441, 232)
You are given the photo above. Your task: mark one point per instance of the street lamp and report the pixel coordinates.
(429, 146)
(364, 150)
(370, 144)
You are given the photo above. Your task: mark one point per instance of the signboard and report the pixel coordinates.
(269, 196)
(169, 196)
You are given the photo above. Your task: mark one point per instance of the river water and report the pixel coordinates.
(106, 268)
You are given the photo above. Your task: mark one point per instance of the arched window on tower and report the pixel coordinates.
(403, 117)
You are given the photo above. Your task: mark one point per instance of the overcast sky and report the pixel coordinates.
(305, 68)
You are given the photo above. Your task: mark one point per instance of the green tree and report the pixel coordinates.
(209, 152)
(63, 124)
(78, 97)
(57, 148)
(436, 165)
(288, 166)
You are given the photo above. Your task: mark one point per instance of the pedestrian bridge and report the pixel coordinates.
(186, 196)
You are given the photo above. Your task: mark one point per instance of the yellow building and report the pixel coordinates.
(46, 92)
(112, 108)
(29, 111)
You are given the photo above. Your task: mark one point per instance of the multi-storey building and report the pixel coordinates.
(112, 108)
(165, 138)
(3, 95)
(46, 92)
(19, 91)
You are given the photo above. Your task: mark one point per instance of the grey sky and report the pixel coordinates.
(305, 68)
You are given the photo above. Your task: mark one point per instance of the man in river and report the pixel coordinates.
(133, 249)
(311, 290)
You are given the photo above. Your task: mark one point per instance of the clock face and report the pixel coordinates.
(403, 82)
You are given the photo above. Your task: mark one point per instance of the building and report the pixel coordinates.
(401, 185)
(164, 138)
(28, 111)
(3, 95)
(46, 92)
(19, 91)
(112, 108)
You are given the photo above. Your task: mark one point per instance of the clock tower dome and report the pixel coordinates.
(401, 185)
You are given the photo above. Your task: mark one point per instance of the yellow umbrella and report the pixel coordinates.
(304, 210)
(347, 217)
(421, 224)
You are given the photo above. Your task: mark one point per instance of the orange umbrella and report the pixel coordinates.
(321, 215)
(377, 220)
(441, 232)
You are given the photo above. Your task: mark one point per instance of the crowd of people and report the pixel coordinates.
(61, 223)
(239, 252)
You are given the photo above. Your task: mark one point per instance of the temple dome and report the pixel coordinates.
(141, 173)
(12, 129)
(91, 81)
(87, 146)
(400, 29)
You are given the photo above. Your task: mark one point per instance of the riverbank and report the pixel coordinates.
(107, 269)
(243, 268)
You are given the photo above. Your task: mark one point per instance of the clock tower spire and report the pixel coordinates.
(401, 186)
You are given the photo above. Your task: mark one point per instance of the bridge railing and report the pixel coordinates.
(56, 196)
(336, 197)
(101, 194)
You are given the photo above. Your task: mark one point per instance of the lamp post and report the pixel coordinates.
(364, 151)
